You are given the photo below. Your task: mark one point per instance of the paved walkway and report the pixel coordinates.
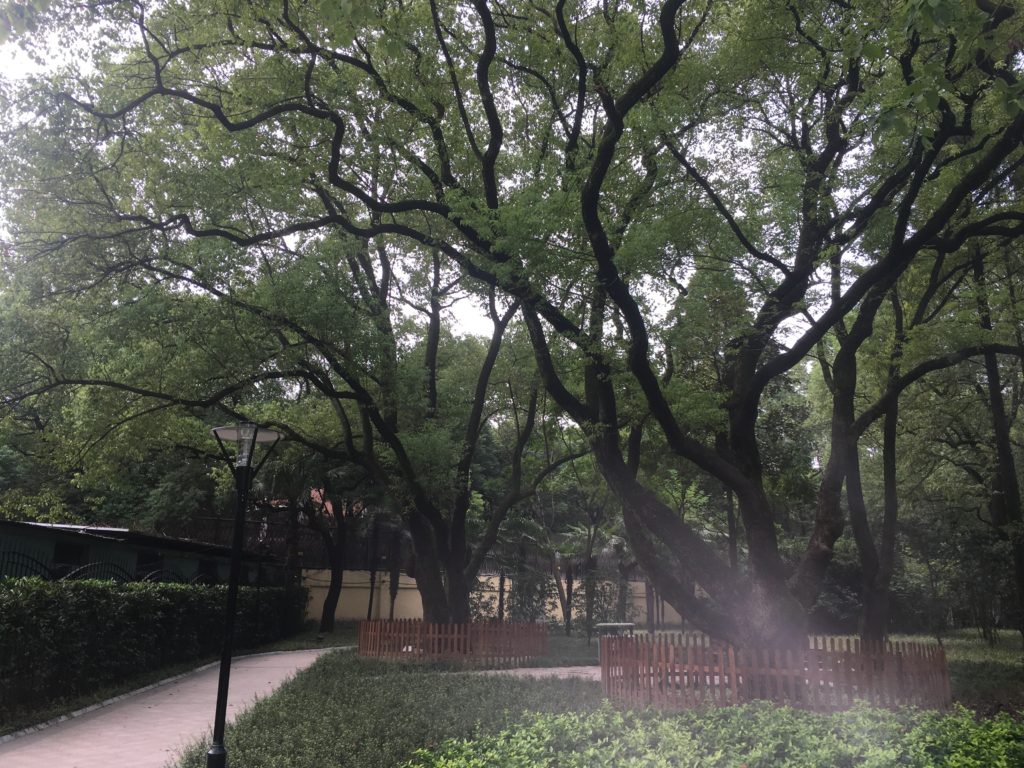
(149, 728)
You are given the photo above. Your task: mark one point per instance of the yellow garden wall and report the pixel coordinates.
(355, 594)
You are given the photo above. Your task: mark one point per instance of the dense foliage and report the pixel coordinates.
(752, 736)
(63, 638)
(682, 220)
(351, 712)
(358, 713)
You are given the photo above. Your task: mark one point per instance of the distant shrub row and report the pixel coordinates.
(60, 639)
(752, 736)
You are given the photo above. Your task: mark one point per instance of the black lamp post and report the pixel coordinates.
(245, 436)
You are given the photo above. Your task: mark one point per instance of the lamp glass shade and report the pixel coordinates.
(243, 436)
(244, 443)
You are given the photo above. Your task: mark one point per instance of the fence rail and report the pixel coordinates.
(484, 644)
(682, 671)
(16, 564)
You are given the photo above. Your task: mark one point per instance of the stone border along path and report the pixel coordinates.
(149, 727)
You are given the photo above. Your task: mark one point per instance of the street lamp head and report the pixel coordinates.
(245, 435)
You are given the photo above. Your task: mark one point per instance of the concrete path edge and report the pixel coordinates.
(99, 705)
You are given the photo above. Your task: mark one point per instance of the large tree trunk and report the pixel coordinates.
(879, 566)
(374, 536)
(501, 597)
(429, 581)
(336, 555)
(749, 611)
(589, 583)
(845, 447)
(732, 529)
(458, 590)
(622, 601)
(441, 580)
(649, 606)
(874, 623)
(875, 616)
(872, 589)
(1005, 505)
(394, 570)
(567, 603)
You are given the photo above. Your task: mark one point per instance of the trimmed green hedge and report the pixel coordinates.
(64, 638)
(751, 736)
(350, 712)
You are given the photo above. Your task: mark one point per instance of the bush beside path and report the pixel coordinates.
(347, 712)
(149, 729)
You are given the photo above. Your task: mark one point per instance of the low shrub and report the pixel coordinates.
(349, 712)
(60, 639)
(751, 736)
(363, 713)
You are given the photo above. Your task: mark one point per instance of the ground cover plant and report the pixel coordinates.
(361, 713)
(986, 677)
(751, 736)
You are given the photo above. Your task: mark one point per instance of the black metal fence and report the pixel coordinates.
(19, 564)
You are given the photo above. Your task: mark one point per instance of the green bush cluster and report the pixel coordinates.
(752, 736)
(348, 712)
(64, 638)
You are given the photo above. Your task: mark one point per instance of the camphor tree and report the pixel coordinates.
(319, 343)
(400, 415)
(57, 463)
(578, 158)
(880, 360)
(960, 426)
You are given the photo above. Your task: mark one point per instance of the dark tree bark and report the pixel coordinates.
(875, 616)
(373, 558)
(649, 598)
(501, 597)
(567, 608)
(429, 569)
(333, 531)
(1005, 504)
(589, 594)
(911, 202)
(336, 549)
(394, 569)
(732, 528)
(874, 623)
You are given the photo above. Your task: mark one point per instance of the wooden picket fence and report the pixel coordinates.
(681, 671)
(491, 645)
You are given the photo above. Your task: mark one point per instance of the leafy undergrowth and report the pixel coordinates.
(986, 678)
(360, 713)
(752, 736)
